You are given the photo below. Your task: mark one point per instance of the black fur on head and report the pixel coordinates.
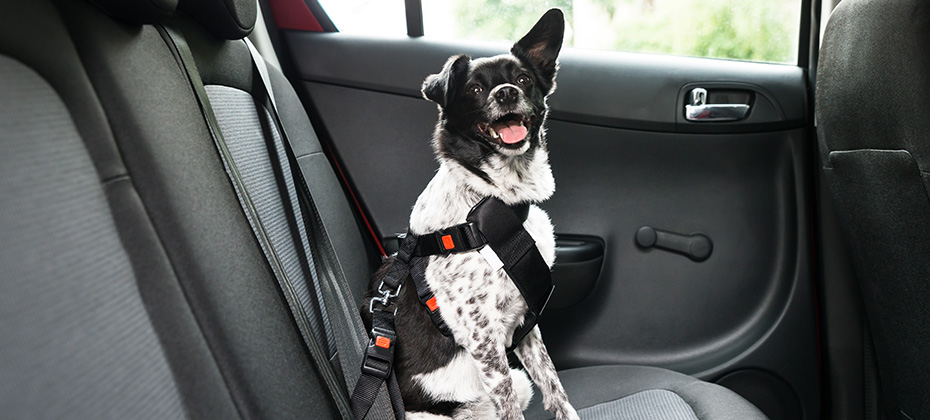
(497, 105)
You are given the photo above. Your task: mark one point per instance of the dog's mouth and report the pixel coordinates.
(508, 131)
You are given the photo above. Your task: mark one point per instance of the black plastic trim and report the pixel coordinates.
(414, 11)
(578, 263)
(578, 248)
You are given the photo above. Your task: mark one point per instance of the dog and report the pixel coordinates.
(490, 141)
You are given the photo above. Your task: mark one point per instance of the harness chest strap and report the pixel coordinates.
(494, 224)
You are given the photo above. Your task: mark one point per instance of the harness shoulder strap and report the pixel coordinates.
(504, 232)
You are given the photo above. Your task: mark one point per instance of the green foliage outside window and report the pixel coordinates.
(502, 19)
(757, 30)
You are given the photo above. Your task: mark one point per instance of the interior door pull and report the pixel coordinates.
(700, 111)
(696, 246)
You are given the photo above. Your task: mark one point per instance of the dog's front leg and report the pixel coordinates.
(535, 358)
(487, 349)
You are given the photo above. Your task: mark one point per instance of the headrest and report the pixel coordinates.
(228, 19)
(139, 12)
(873, 78)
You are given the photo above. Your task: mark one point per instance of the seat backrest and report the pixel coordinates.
(132, 286)
(165, 143)
(92, 323)
(164, 140)
(874, 132)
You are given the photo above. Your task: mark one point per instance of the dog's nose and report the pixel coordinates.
(506, 95)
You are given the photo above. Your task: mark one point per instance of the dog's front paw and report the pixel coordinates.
(567, 413)
(563, 410)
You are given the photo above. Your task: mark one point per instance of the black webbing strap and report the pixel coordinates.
(425, 294)
(458, 238)
(378, 363)
(522, 211)
(377, 366)
(397, 404)
(504, 232)
(179, 48)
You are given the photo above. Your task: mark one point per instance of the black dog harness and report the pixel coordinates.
(489, 223)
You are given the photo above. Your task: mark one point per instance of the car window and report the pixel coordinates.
(371, 17)
(757, 30)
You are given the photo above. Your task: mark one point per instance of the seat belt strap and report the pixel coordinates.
(322, 241)
(185, 59)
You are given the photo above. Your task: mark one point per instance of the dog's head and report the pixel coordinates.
(497, 105)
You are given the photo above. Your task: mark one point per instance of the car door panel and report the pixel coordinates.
(624, 158)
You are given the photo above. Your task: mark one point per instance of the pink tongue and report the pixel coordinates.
(512, 133)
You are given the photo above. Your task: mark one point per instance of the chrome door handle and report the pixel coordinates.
(698, 110)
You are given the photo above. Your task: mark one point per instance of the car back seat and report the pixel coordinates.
(157, 123)
(198, 325)
(132, 280)
(93, 324)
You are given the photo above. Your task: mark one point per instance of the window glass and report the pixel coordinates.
(372, 17)
(758, 30)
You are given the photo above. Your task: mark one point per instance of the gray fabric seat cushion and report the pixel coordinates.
(238, 118)
(639, 392)
(76, 339)
(262, 369)
(653, 404)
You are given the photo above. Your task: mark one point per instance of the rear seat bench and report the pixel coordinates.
(93, 324)
(133, 286)
(195, 209)
(199, 324)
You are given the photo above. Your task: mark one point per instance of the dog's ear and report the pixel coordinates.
(542, 44)
(441, 88)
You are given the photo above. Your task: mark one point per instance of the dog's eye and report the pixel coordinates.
(524, 80)
(475, 89)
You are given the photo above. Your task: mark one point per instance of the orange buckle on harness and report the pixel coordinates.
(431, 304)
(383, 342)
(447, 242)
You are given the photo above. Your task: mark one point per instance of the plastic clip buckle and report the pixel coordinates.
(440, 244)
(379, 360)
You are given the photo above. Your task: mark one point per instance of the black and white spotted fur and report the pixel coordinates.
(468, 376)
